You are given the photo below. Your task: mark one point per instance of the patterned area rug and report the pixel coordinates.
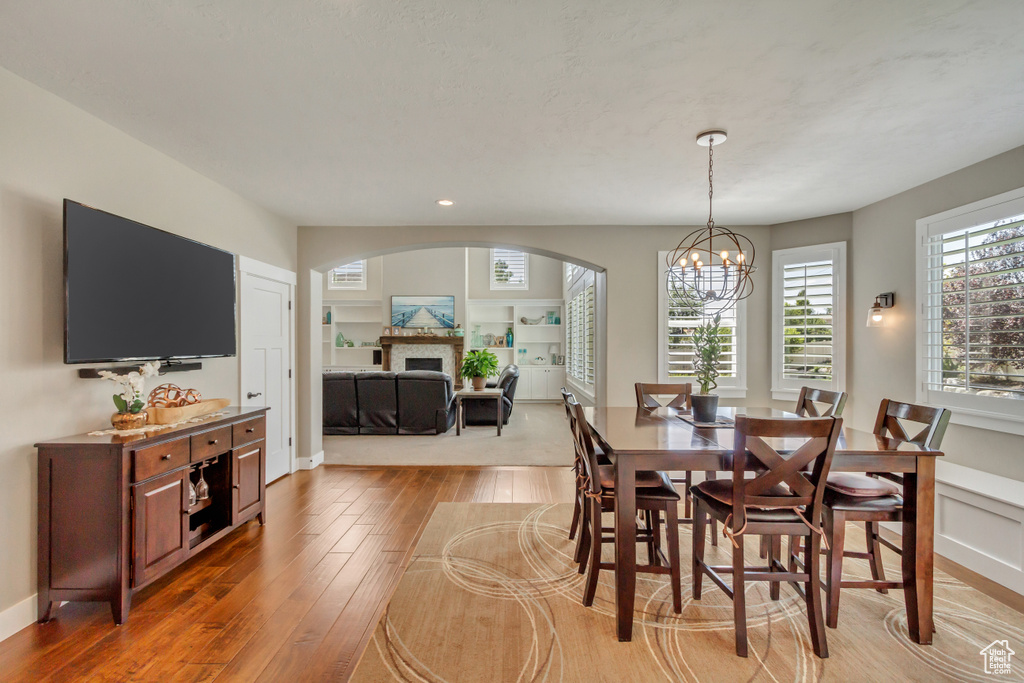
(492, 594)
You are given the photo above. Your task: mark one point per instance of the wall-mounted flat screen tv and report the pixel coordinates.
(132, 292)
(423, 311)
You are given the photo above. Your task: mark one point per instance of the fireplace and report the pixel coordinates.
(396, 350)
(434, 364)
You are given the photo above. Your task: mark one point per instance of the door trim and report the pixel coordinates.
(275, 274)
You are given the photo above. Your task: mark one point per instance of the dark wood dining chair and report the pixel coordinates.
(871, 499)
(646, 397)
(654, 495)
(784, 497)
(647, 391)
(579, 508)
(832, 404)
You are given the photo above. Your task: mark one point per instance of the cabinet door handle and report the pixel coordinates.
(165, 457)
(213, 442)
(236, 486)
(250, 430)
(252, 395)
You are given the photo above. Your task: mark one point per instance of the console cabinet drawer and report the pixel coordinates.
(154, 460)
(213, 442)
(248, 431)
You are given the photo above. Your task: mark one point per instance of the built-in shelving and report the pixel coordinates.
(359, 321)
(535, 347)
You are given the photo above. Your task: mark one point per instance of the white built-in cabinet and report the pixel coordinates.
(538, 341)
(359, 321)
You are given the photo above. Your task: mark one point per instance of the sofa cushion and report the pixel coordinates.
(378, 402)
(340, 409)
(422, 394)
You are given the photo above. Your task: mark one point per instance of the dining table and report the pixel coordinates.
(642, 439)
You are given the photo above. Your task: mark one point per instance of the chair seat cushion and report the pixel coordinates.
(655, 485)
(717, 495)
(844, 503)
(861, 485)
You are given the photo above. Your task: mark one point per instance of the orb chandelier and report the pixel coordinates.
(711, 267)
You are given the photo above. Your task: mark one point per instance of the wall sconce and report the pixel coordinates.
(876, 318)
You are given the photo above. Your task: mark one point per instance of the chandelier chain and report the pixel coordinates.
(711, 184)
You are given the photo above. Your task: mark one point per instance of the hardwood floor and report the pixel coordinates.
(294, 600)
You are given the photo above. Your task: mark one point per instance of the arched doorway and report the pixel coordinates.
(316, 261)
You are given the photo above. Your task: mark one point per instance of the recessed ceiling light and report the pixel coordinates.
(445, 202)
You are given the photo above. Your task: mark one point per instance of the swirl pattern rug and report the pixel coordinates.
(491, 594)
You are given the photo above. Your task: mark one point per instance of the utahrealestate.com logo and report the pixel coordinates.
(998, 657)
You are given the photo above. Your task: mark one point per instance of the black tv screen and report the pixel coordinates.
(133, 292)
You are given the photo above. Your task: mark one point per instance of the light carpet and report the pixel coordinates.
(492, 594)
(536, 434)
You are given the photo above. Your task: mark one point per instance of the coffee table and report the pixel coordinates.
(470, 394)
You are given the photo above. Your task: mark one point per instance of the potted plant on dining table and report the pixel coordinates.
(478, 366)
(707, 357)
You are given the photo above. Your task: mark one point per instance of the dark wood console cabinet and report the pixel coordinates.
(114, 511)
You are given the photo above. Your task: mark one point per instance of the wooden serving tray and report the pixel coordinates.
(166, 416)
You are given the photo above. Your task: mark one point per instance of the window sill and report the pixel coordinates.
(579, 390)
(992, 422)
(785, 394)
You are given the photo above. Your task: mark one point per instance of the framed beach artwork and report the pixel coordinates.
(422, 312)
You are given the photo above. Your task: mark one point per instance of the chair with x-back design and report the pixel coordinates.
(655, 496)
(872, 499)
(784, 497)
(646, 397)
(832, 404)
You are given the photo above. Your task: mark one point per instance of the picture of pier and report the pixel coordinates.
(423, 311)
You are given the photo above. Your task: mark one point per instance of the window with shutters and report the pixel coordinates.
(675, 329)
(579, 330)
(808, 319)
(509, 269)
(349, 276)
(971, 293)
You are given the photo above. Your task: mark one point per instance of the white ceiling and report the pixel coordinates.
(361, 112)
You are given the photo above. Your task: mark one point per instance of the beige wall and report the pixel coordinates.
(420, 274)
(883, 360)
(628, 255)
(52, 150)
(545, 278)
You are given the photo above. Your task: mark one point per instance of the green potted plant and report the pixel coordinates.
(707, 357)
(478, 366)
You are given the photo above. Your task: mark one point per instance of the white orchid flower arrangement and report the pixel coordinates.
(130, 398)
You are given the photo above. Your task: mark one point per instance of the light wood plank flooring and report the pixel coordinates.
(294, 600)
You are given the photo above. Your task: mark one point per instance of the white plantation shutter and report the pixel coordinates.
(509, 269)
(974, 311)
(579, 331)
(681, 323)
(676, 324)
(808, 299)
(588, 335)
(808, 318)
(349, 276)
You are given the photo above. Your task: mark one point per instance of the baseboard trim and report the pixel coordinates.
(18, 616)
(309, 463)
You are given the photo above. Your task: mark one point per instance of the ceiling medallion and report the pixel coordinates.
(711, 267)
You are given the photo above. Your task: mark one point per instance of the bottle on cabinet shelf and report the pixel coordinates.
(508, 338)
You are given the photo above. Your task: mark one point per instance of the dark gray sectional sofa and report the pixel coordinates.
(414, 402)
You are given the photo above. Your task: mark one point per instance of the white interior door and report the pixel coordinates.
(265, 363)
